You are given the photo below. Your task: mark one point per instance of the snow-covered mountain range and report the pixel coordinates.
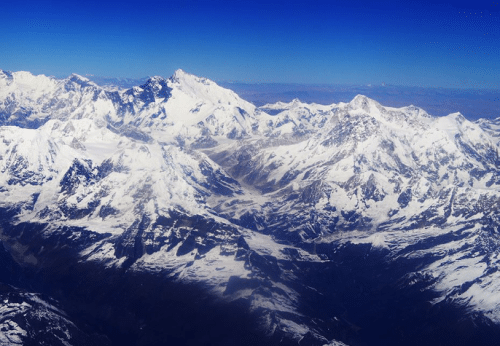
(326, 224)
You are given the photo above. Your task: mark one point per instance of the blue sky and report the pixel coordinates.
(426, 43)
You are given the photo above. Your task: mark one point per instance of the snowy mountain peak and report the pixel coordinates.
(416, 111)
(363, 102)
(194, 85)
(76, 77)
(179, 73)
(30, 81)
(200, 89)
(182, 77)
(281, 106)
(458, 117)
(81, 81)
(155, 79)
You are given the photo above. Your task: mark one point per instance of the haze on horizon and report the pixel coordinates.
(448, 44)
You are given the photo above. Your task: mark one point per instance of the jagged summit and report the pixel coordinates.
(361, 98)
(183, 78)
(365, 103)
(157, 86)
(457, 115)
(155, 80)
(77, 77)
(201, 87)
(284, 105)
(359, 101)
(81, 81)
(180, 73)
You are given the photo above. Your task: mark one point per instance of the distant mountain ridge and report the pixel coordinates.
(310, 218)
(473, 103)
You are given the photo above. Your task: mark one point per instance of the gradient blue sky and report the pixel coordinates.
(424, 43)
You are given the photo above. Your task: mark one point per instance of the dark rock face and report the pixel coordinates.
(155, 87)
(80, 173)
(31, 319)
(218, 182)
(404, 198)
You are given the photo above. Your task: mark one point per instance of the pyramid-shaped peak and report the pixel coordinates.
(459, 117)
(363, 102)
(360, 98)
(295, 103)
(75, 76)
(182, 77)
(180, 73)
(80, 80)
(204, 90)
